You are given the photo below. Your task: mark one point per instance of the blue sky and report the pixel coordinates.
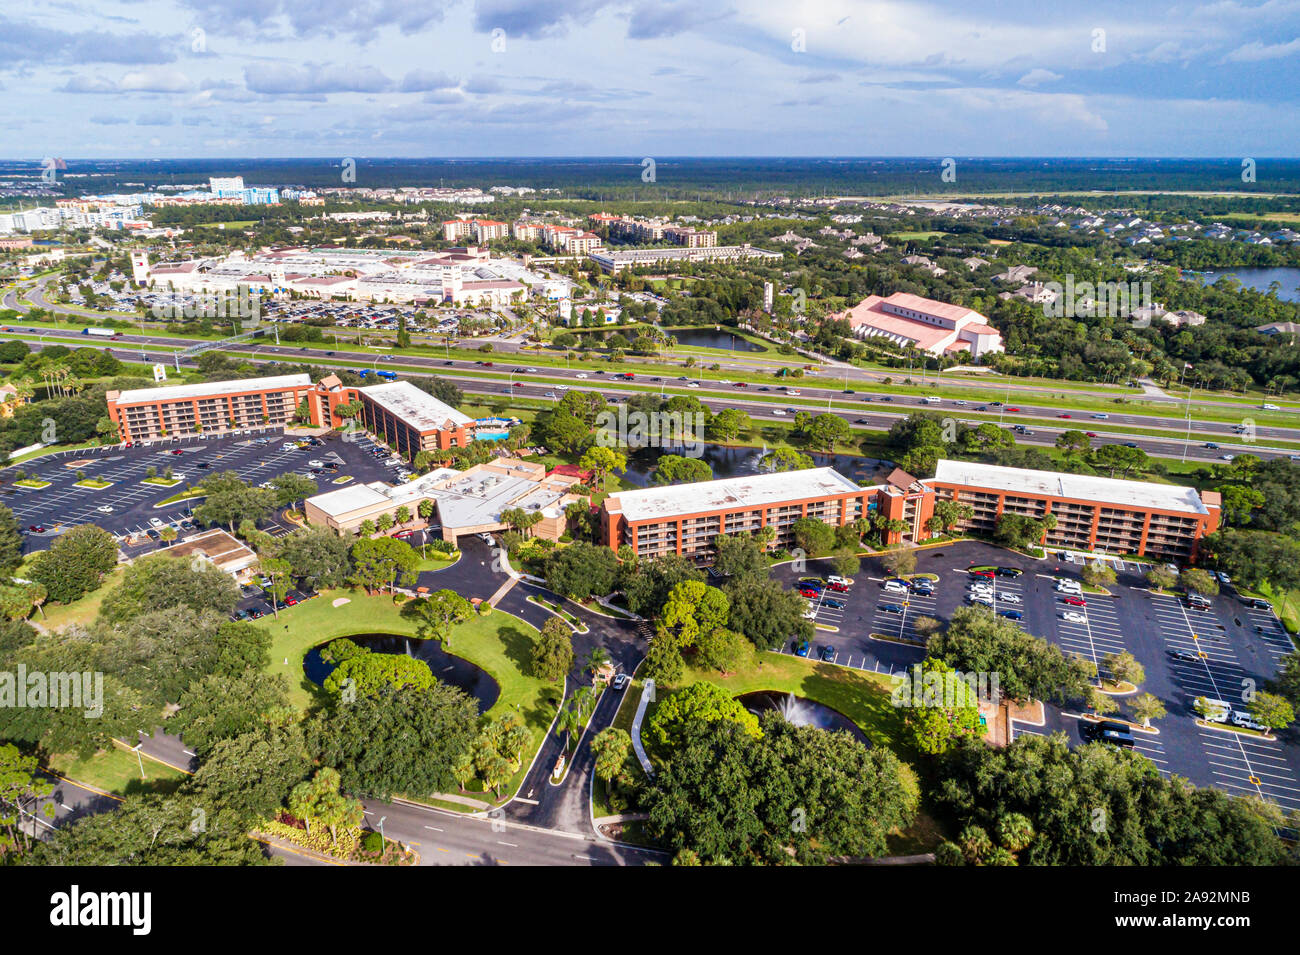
(281, 78)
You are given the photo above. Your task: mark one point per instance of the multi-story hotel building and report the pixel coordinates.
(685, 518)
(1092, 513)
(147, 413)
(410, 420)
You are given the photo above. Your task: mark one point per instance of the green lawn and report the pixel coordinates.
(118, 772)
(499, 643)
(80, 612)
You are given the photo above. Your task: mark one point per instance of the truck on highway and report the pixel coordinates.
(100, 332)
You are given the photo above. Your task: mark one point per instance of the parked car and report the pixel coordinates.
(1075, 601)
(1184, 656)
(987, 574)
(1074, 617)
(829, 653)
(985, 600)
(1107, 731)
(895, 587)
(1008, 571)
(832, 579)
(1009, 598)
(840, 588)
(801, 648)
(833, 604)
(891, 608)
(621, 681)
(809, 592)
(1012, 614)
(813, 581)
(1242, 718)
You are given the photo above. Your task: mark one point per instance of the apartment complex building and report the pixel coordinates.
(613, 261)
(210, 407)
(1092, 513)
(481, 231)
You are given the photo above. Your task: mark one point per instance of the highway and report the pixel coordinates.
(1043, 423)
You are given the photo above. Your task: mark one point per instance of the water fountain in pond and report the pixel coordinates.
(796, 712)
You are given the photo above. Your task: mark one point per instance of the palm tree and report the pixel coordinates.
(596, 659)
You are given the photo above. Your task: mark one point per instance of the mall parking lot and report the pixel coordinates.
(128, 506)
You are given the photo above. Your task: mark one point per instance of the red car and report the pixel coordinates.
(290, 601)
(1065, 416)
(1013, 410)
(839, 588)
(741, 384)
(1091, 434)
(982, 573)
(1075, 601)
(809, 593)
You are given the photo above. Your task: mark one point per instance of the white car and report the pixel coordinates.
(1074, 617)
(842, 581)
(1101, 416)
(895, 587)
(105, 509)
(1223, 578)
(315, 463)
(778, 412)
(1227, 457)
(692, 384)
(980, 589)
(562, 387)
(810, 614)
(621, 681)
(155, 522)
(1242, 718)
(550, 394)
(487, 538)
(1009, 598)
(584, 376)
(984, 599)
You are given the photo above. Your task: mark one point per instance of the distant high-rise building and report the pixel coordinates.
(767, 297)
(140, 267)
(226, 186)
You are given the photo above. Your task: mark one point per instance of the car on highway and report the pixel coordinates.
(1014, 410)
(692, 384)
(778, 412)
(1074, 617)
(1226, 457)
(1130, 444)
(1065, 416)
(862, 421)
(583, 376)
(1210, 446)
(1101, 416)
(1090, 434)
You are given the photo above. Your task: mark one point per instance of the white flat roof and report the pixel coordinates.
(205, 389)
(755, 490)
(1139, 495)
(348, 499)
(417, 408)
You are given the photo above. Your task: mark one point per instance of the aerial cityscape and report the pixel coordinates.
(627, 434)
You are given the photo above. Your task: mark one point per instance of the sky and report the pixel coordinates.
(505, 78)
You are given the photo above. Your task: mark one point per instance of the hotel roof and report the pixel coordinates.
(417, 408)
(756, 490)
(210, 388)
(1112, 491)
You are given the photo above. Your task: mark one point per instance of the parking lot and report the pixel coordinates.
(1222, 653)
(130, 508)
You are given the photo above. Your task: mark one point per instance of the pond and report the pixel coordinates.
(1260, 279)
(709, 337)
(801, 712)
(449, 669)
(730, 461)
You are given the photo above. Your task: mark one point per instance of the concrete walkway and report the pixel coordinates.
(647, 694)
